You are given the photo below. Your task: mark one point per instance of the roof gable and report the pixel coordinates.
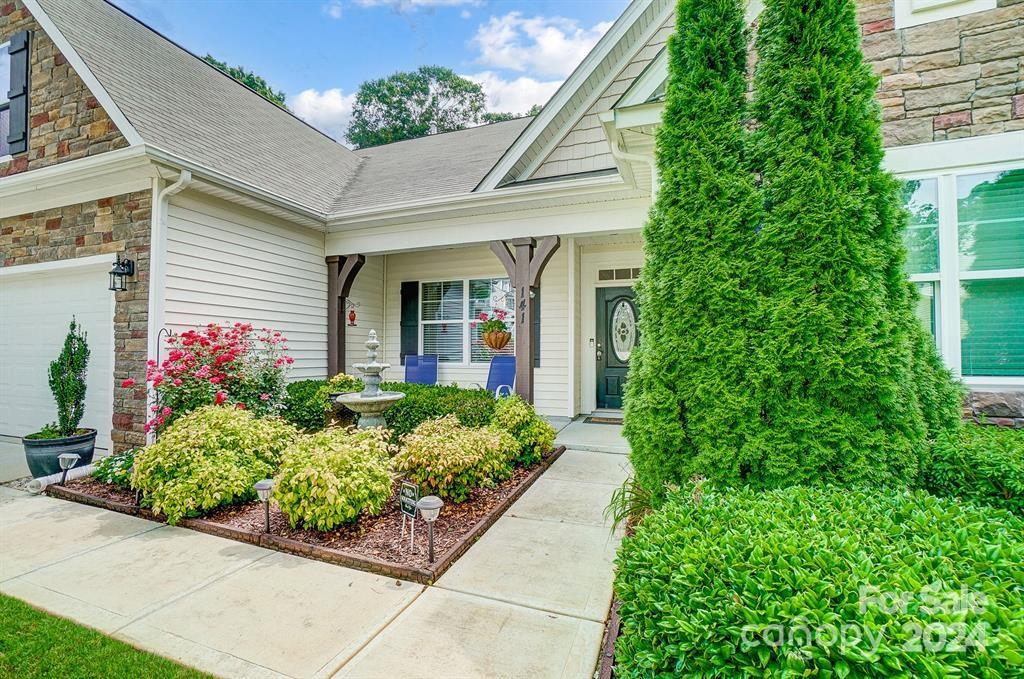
(588, 84)
(181, 104)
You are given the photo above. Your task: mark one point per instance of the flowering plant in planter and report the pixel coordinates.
(493, 328)
(222, 365)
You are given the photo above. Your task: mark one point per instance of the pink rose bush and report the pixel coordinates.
(222, 365)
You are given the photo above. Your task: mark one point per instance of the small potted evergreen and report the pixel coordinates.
(67, 382)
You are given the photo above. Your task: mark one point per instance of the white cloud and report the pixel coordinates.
(329, 111)
(412, 5)
(332, 9)
(544, 46)
(465, 14)
(515, 96)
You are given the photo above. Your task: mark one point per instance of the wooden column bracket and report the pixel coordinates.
(341, 273)
(524, 267)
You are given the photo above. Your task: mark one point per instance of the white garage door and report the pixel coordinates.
(35, 311)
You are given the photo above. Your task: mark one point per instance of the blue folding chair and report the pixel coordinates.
(421, 369)
(501, 376)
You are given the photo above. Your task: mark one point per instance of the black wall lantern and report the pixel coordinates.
(123, 268)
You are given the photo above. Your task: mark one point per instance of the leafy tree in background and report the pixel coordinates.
(501, 116)
(413, 104)
(689, 408)
(250, 80)
(843, 371)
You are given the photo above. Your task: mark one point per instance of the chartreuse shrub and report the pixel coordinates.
(688, 403)
(533, 433)
(422, 402)
(208, 458)
(450, 460)
(331, 477)
(823, 582)
(981, 464)
(306, 405)
(343, 383)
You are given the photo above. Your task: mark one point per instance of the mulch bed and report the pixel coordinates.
(373, 543)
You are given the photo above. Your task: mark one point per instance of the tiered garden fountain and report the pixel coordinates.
(371, 402)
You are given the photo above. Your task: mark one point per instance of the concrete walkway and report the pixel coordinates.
(528, 600)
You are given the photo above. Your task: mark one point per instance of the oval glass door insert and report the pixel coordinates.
(623, 330)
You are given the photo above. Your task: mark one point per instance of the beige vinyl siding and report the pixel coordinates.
(368, 292)
(585, 148)
(551, 379)
(228, 264)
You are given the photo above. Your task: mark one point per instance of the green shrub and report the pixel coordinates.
(534, 434)
(708, 586)
(422, 402)
(343, 383)
(306, 405)
(980, 463)
(688, 399)
(208, 458)
(450, 460)
(116, 469)
(67, 380)
(329, 478)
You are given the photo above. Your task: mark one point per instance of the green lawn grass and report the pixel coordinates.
(37, 644)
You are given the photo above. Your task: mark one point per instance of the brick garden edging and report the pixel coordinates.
(606, 661)
(424, 576)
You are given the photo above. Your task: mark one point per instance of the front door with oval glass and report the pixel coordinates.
(617, 335)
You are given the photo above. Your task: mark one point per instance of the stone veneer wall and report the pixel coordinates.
(960, 77)
(118, 224)
(65, 120)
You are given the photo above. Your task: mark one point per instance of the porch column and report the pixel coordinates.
(524, 262)
(341, 272)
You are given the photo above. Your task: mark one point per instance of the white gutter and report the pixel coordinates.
(158, 264)
(537, 191)
(202, 171)
(614, 137)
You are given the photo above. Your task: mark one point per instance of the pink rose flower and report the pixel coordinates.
(128, 383)
(264, 397)
(177, 382)
(483, 316)
(220, 397)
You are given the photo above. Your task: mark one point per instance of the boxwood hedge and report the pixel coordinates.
(823, 582)
(422, 402)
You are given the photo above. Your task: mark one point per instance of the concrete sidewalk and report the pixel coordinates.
(528, 599)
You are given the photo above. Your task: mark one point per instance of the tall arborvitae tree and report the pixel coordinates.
(840, 388)
(688, 401)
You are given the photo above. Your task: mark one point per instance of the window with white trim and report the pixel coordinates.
(916, 12)
(449, 315)
(965, 243)
(5, 102)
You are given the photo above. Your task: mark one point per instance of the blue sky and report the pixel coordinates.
(318, 51)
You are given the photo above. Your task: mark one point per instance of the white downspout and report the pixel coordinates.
(158, 264)
(619, 154)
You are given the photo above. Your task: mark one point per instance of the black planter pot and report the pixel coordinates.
(41, 454)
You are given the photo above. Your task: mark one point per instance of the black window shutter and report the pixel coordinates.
(536, 327)
(410, 324)
(19, 52)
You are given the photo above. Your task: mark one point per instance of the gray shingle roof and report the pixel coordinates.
(179, 103)
(428, 167)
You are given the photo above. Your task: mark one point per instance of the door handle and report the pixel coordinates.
(600, 353)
